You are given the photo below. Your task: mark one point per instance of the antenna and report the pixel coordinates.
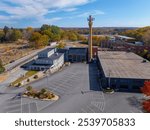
(91, 19)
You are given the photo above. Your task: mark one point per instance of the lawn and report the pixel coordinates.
(26, 76)
(1, 69)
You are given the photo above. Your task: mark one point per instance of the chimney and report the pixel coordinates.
(90, 49)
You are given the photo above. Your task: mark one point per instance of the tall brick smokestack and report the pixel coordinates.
(90, 49)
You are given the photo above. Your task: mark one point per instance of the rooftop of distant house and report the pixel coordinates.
(125, 37)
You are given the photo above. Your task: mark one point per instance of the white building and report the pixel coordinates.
(48, 59)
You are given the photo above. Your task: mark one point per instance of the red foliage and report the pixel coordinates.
(146, 88)
(146, 105)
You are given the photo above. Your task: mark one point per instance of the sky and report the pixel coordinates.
(74, 13)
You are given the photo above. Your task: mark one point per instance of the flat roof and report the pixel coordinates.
(53, 56)
(46, 50)
(123, 65)
(80, 51)
(125, 37)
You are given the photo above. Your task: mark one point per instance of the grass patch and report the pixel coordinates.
(27, 75)
(2, 69)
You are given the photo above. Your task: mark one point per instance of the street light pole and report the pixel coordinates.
(109, 78)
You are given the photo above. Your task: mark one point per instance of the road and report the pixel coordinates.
(22, 60)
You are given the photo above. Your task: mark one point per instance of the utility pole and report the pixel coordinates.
(90, 49)
(109, 78)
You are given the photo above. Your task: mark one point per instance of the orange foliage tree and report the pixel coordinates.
(146, 90)
(146, 105)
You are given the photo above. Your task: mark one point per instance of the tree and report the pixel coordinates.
(55, 30)
(43, 41)
(146, 105)
(2, 36)
(61, 45)
(16, 34)
(29, 88)
(72, 36)
(38, 40)
(45, 27)
(35, 36)
(55, 37)
(146, 88)
(146, 37)
(43, 91)
(6, 29)
(27, 33)
(97, 40)
(2, 69)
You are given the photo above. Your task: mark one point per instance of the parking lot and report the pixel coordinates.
(79, 92)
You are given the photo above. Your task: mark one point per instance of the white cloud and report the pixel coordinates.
(70, 9)
(94, 13)
(37, 9)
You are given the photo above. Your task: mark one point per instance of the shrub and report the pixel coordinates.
(36, 76)
(29, 88)
(19, 84)
(43, 91)
(28, 80)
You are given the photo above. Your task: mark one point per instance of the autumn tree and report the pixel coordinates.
(29, 88)
(61, 45)
(97, 40)
(38, 40)
(2, 69)
(146, 105)
(15, 35)
(27, 33)
(146, 90)
(146, 37)
(2, 36)
(53, 32)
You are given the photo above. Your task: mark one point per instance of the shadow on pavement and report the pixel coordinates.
(93, 77)
(135, 102)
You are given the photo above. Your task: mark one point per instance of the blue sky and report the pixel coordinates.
(74, 13)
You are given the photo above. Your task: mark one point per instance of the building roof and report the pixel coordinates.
(53, 56)
(76, 51)
(46, 50)
(124, 65)
(125, 37)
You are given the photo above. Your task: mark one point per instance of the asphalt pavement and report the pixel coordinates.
(79, 92)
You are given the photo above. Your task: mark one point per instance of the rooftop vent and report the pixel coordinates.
(144, 61)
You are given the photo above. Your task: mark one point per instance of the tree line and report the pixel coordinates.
(141, 34)
(39, 37)
(100, 30)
